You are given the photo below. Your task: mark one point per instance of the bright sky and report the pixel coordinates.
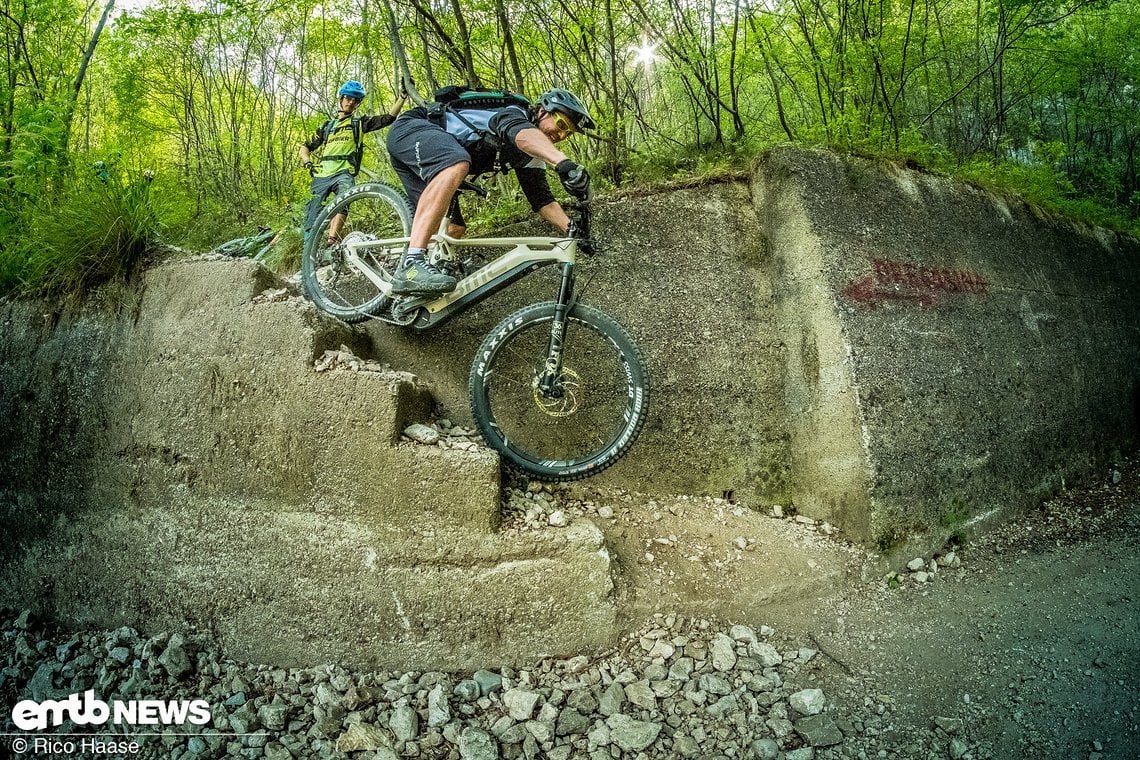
(133, 5)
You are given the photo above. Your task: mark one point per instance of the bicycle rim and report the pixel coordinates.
(333, 283)
(600, 402)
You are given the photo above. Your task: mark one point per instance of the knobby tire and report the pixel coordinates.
(604, 401)
(374, 210)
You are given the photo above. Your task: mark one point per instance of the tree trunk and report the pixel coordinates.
(509, 45)
(77, 86)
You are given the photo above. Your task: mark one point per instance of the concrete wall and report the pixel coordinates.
(952, 355)
(896, 353)
(688, 275)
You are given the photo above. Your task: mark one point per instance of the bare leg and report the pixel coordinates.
(434, 201)
(335, 225)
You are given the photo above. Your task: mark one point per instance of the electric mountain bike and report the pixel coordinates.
(254, 246)
(558, 388)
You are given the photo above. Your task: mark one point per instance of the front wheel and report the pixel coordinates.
(361, 214)
(587, 420)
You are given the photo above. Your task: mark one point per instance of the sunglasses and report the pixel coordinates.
(564, 123)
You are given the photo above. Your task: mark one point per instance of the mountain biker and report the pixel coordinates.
(342, 139)
(432, 155)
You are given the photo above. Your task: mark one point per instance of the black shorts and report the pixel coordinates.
(419, 150)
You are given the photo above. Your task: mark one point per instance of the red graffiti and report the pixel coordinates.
(902, 281)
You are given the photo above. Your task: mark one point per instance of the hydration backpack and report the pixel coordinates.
(456, 96)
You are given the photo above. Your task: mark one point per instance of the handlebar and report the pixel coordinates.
(579, 227)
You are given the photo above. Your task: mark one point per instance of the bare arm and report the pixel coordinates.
(553, 213)
(534, 143)
(395, 110)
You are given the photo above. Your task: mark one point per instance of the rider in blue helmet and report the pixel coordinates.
(352, 89)
(341, 140)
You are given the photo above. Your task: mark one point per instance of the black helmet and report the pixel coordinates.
(569, 104)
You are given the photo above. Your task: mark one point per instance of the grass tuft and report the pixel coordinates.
(98, 231)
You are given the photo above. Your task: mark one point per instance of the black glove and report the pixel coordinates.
(574, 178)
(309, 166)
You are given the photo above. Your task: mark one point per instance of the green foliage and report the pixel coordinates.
(98, 231)
(888, 537)
(285, 256)
(953, 518)
(1029, 97)
(1046, 187)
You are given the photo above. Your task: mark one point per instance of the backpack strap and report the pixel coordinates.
(357, 155)
(490, 139)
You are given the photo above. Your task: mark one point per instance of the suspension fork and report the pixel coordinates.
(552, 371)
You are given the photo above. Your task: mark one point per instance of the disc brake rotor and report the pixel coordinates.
(566, 404)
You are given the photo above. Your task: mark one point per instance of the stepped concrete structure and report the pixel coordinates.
(174, 459)
(899, 354)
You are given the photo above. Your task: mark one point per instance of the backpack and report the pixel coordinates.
(357, 155)
(456, 97)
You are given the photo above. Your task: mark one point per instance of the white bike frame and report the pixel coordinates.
(523, 255)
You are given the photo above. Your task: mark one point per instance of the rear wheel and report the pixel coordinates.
(375, 211)
(587, 421)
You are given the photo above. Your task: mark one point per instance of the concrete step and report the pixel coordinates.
(222, 385)
(184, 463)
(296, 589)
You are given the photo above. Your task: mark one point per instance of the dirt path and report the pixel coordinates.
(1029, 649)
(750, 638)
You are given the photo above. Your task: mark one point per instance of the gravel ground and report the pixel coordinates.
(1021, 643)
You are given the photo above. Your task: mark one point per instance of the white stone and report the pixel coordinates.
(520, 703)
(807, 701)
(723, 651)
(422, 434)
(743, 634)
(766, 653)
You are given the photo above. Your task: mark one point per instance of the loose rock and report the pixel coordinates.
(632, 735)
